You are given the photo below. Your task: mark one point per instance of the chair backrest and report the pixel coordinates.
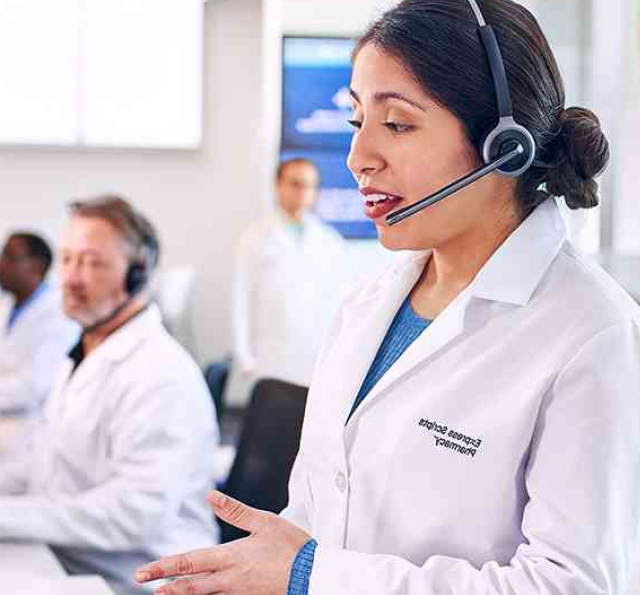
(172, 289)
(215, 375)
(267, 448)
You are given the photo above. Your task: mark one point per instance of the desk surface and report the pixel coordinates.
(71, 585)
(29, 560)
(32, 568)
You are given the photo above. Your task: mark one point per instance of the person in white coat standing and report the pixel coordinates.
(473, 423)
(123, 458)
(287, 282)
(35, 333)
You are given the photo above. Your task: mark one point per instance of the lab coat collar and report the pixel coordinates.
(291, 227)
(511, 276)
(513, 273)
(368, 318)
(294, 230)
(119, 345)
(400, 277)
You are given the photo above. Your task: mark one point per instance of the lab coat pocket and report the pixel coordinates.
(432, 480)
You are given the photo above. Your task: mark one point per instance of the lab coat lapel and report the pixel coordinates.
(510, 276)
(368, 320)
(440, 333)
(116, 347)
(91, 371)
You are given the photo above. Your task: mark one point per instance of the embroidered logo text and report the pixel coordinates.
(451, 439)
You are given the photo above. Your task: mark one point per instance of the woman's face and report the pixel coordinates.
(406, 147)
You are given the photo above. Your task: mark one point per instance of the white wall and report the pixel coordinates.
(627, 150)
(337, 17)
(200, 200)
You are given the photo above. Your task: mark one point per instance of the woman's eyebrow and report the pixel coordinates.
(382, 96)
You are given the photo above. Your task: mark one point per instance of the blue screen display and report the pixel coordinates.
(316, 93)
(316, 110)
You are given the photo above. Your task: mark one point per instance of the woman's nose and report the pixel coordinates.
(364, 157)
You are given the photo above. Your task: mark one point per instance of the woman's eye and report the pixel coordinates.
(395, 127)
(355, 123)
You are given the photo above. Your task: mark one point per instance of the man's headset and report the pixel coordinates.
(139, 271)
(508, 149)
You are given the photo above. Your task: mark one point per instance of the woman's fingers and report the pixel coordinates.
(236, 513)
(260, 563)
(204, 560)
(209, 584)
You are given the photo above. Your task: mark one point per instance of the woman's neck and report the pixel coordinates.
(453, 266)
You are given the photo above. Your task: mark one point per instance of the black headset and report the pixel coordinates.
(508, 149)
(139, 270)
(136, 278)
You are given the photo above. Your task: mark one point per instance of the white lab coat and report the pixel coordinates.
(122, 461)
(286, 289)
(32, 352)
(500, 454)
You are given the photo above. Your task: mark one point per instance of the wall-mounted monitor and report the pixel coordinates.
(316, 73)
(316, 106)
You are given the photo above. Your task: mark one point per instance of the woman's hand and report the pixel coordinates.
(256, 565)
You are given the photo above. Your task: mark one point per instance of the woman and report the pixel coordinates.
(473, 423)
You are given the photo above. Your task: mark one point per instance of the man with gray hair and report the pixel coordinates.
(122, 462)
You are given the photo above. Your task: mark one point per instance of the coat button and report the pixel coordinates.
(341, 482)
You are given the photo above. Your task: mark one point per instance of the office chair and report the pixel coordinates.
(215, 375)
(267, 449)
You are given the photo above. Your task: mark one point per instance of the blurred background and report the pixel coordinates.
(178, 105)
(186, 107)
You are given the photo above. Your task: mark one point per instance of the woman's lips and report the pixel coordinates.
(374, 209)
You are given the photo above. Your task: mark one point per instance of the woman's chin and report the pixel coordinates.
(392, 238)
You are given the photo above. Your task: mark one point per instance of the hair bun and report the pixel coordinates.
(582, 154)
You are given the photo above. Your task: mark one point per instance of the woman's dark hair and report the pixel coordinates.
(438, 42)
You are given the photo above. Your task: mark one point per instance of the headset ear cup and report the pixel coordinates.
(136, 278)
(504, 138)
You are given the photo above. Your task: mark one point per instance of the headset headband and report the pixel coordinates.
(496, 63)
(508, 149)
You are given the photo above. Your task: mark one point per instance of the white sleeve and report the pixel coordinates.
(26, 381)
(582, 478)
(154, 446)
(14, 473)
(17, 392)
(242, 311)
